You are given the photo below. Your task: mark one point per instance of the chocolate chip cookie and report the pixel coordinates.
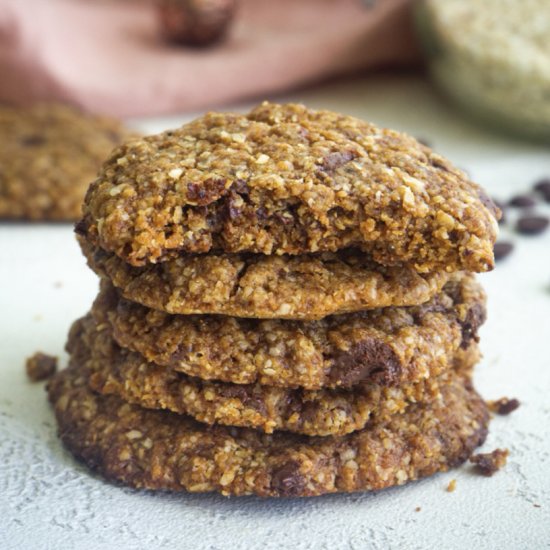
(283, 179)
(115, 371)
(49, 154)
(166, 451)
(258, 286)
(386, 346)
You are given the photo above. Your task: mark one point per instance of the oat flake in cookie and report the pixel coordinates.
(163, 450)
(283, 179)
(388, 346)
(49, 154)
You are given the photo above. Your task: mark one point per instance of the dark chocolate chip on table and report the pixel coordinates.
(543, 187)
(502, 249)
(522, 201)
(532, 225)
(504, 405)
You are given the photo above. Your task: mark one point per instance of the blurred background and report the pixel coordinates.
(143, 58)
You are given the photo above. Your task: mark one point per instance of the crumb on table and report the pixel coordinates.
(503, 406)
(452, 486)
(488, 464)
(40, 366)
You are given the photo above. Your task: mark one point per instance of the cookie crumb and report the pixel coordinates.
(488, 464)
(417, 509)
(522, 201)
(452, 486)
(536, 505)
(503, 406)
(40, 366)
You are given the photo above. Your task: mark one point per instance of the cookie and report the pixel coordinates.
(257, 286)
(165, 451)
(323, 412)
(384, 346)
(49, 154)
(283, 179)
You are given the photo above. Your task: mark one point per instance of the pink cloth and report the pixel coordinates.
(107, 56)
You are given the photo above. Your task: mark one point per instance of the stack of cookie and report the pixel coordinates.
(286, 308)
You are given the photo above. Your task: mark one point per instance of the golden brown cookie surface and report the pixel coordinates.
(115, 371)
(271, 287)
(283, 179)
(162, 450)
(386, 346)
(49, 154)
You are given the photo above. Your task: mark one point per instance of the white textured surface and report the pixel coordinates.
(49, 501)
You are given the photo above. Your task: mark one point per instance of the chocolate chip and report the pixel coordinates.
(502, 249)
(504, 405)
(81, 228)
(474, 318)
(532, 225)
(206, 192)
(370, 360)
(33, 140)
(336, 159)
(245, 394)
(286, 481)
(543, 187)
(522, 201)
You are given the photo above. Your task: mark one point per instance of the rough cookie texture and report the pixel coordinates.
(163, 450)
(287, 180)
(324, 412)
(281, 287)
(48, 156)
(385, 346)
